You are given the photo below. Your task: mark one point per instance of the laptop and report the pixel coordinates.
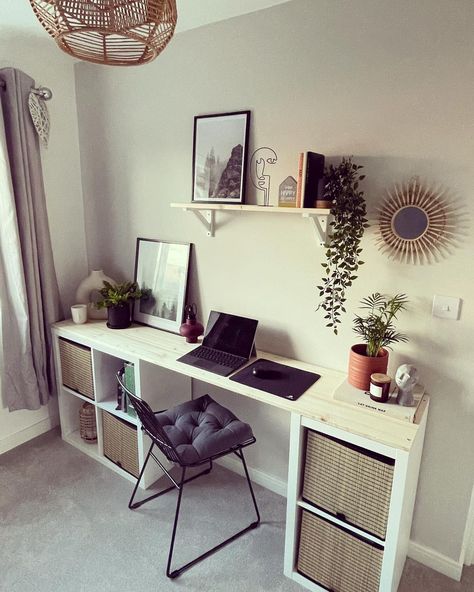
(227, 345)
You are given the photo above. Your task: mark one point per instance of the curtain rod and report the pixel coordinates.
(42, 91)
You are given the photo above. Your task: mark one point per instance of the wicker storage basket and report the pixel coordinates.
(76, 367)
(349, 482)
(120, 443)
(335, 558)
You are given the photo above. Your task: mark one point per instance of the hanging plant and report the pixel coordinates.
(347, 227)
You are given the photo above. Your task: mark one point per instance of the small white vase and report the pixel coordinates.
(88, 293)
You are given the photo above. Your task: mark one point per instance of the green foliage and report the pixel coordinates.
(347, 228)
(118, 294)
(377, 329)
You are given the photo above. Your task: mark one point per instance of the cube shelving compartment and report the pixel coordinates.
(337, 559)
(349, 482)
(76, 367)
(120, 443)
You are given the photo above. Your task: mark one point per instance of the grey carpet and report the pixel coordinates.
(65, 527)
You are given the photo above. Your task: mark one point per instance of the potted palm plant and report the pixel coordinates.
(377, 331)
(116, 298)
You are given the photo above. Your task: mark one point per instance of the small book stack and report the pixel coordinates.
(123, 403)
(310, 175)
(362, 400)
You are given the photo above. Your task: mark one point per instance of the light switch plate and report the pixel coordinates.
(446, 307)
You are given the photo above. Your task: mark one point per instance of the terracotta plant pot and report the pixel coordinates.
(362, 366)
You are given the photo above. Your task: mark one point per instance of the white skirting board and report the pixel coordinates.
(431, 558)
(424, 555)
(28, 433)
(256, 475)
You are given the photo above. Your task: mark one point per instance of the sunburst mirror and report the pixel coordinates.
(416, 223)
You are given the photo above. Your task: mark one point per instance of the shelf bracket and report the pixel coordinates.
(320, 225)
(207, 219)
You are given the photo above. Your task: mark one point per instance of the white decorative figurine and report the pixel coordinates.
(406, 379)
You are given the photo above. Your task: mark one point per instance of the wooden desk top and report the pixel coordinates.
(161, 348)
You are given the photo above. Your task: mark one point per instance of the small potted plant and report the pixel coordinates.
(378, 332)
(116, 298)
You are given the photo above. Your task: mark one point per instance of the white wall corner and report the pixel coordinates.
(431, 558)
(32, 431)
(467, 553)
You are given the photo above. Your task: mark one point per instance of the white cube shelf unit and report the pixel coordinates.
(163, 389)
(352, 474)
(349, 509)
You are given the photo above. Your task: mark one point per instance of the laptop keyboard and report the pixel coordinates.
(219, 357)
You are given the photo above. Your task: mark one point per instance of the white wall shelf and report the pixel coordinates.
(206, 214)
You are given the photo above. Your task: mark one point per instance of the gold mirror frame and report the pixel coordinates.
(435, 237)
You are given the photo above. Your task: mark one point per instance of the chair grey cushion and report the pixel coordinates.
(202, 428)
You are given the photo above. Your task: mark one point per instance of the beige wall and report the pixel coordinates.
(61, 167)
(390, 83)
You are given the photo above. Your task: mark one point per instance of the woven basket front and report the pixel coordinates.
(120, 443)
(335, 558)
(76, 367)
(348, 482)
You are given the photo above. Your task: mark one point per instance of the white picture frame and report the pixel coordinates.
(161, 272)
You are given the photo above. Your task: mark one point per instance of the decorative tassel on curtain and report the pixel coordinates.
(29, 295)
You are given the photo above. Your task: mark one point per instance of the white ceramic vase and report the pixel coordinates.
(88, 293)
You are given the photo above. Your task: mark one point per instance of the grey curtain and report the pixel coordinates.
(30, 296)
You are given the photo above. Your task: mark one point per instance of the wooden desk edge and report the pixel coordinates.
(317, 403)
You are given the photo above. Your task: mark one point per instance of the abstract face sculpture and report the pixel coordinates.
(406, 378)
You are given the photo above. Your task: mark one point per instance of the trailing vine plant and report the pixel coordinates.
(347, 227)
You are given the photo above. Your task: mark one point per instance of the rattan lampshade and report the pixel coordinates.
(112, 32)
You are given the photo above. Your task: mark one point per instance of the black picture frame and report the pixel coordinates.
(161, 271)
(219, 139)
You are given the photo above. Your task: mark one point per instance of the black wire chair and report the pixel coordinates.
(152, 425)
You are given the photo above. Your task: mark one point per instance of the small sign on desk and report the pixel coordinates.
(362, 400)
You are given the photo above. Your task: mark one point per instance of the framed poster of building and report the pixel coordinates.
(220, 149)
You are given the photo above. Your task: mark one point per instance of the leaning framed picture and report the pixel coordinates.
(161, 272)
(220, 149)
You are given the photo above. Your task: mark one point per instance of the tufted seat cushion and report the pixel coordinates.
(201, 428)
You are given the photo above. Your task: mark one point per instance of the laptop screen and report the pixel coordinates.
(230, 333)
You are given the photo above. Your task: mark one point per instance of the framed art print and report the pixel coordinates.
(161, 272)
(220, 157)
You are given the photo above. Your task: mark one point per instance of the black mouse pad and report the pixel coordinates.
(276, 379)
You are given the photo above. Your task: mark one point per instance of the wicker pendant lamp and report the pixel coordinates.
(111, 32)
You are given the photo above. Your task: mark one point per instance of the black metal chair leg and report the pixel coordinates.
(134, 506)
(240, 454)
(177, 572)
(131, 505)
